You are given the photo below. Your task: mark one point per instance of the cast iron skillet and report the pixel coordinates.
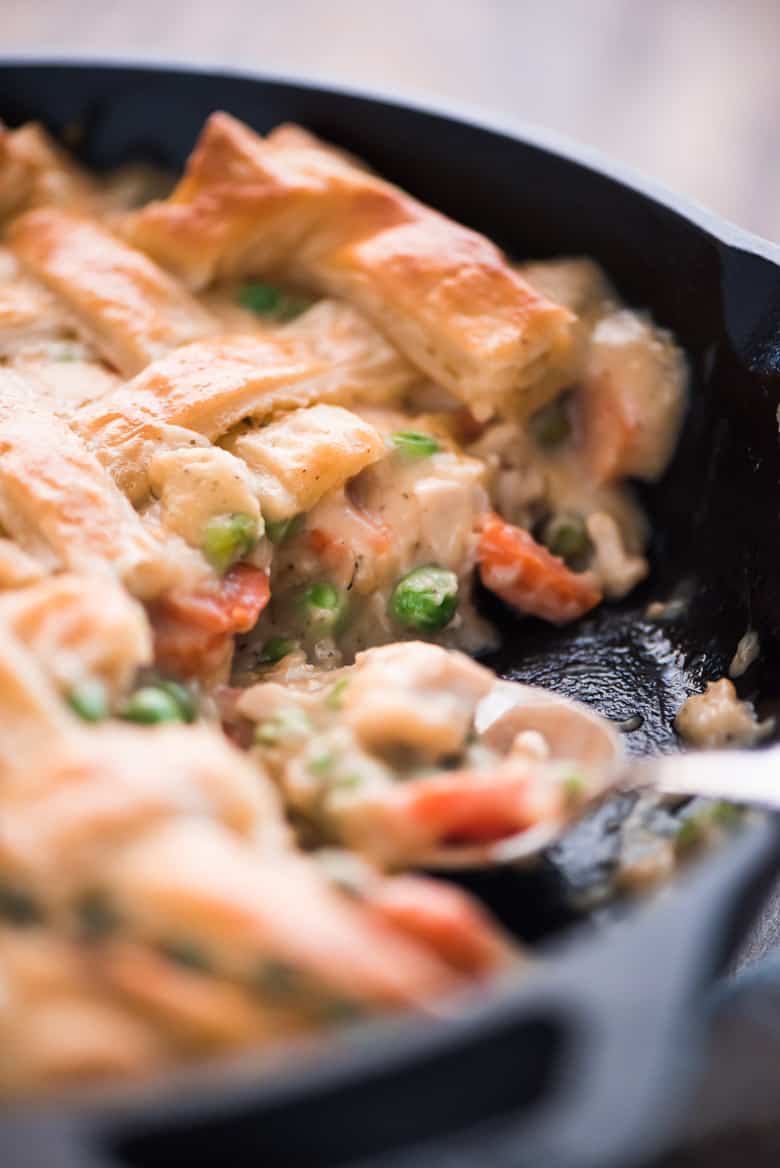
(583, 1064)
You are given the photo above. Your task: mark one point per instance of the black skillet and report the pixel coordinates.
(584, 1064)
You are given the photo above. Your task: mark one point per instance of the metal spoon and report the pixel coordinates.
(573, 731)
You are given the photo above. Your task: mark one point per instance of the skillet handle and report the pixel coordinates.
(628, 1019)
(633, 1029)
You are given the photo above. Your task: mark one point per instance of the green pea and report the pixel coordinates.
(151, 704)
(278, 530)
(228, 538)
(184, 698)
(88, 699)
(268, 300)
(425, 599)
(567, 536)
(551, 425)
(413, 444)
(324, 607)
(18, 906)
(263, 299)
(274, 649)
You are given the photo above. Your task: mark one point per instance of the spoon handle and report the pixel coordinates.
(741, 776)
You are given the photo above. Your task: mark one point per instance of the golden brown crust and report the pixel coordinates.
(58, 1024)
(288, 204)
(133, 311)
(31, 711)
(80, 627)
(208, 387)
(61, 506)
(35, 171)
(201, 389)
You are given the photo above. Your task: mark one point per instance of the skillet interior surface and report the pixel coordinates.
(715, 513)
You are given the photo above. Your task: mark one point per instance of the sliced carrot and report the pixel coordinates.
(193, 632)
(524, 574)
(472, 807)
(444, 918)
(184, 650)
(233, 607)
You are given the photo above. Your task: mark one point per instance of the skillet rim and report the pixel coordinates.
(231, 1081)
(476, 115)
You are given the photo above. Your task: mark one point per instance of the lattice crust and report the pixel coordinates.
(288, 205)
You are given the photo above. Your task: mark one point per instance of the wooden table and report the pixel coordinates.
(686, 90)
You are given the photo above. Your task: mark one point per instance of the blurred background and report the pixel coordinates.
(687, 91)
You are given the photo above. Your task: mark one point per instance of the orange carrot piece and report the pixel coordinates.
(524, 574)
(443, 918)
(233, 607)
(471, 807)
(193, 632)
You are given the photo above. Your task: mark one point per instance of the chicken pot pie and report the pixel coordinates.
(258, 438)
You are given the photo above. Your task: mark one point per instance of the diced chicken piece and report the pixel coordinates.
(305, 454)
(578, 283)
(428, 509)
(444, 294)
(35, 172)
(132, 310)
(194, 484)
(414, 695)
(632, 398)
(617, 571)
(61, 506)
(717, 718)
(80, 627)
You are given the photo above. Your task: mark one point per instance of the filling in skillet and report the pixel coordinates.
(259, 435)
